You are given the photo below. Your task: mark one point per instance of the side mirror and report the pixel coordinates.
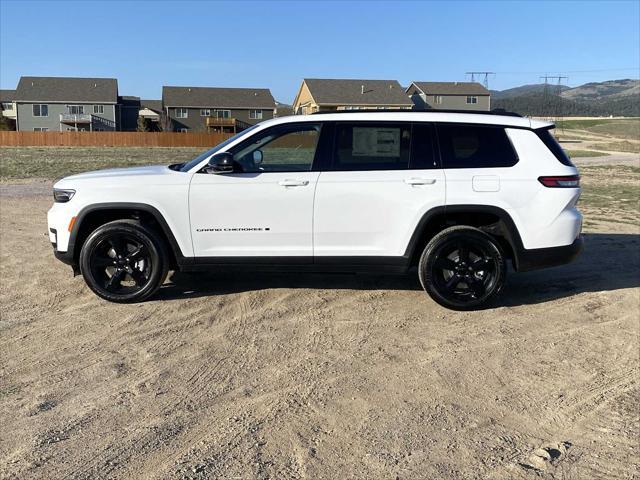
(257, 157)
(221, 162)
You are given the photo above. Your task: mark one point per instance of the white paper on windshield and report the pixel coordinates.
(376, 142)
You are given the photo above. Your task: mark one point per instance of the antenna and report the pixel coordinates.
(485, 82)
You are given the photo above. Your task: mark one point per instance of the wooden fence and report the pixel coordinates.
(110, 139)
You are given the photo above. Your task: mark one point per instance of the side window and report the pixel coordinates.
(423, 149)
(369, 146)
(475, 146)
(287, 148)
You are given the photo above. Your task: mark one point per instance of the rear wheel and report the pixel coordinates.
(123, 261)
(462, 268)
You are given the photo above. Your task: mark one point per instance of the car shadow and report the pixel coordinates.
(609, 262)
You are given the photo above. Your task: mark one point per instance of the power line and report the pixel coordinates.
(486, 77)
(551, 103)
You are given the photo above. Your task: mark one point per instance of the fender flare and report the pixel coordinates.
(141, 207)
(510, 232)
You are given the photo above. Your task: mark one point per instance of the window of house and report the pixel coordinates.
(40, 129)
(75, 109)
(285, 148)
(438, 100)
(472, 100)
(182, 113)
(255, 114)
(475, 146)
(40, 110)
(205, 112)
(183, 130)
(369, 146)
(98, 109)
(7, 106)
(223, 113)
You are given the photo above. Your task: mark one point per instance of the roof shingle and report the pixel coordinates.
(7, 95)
(328, 91)
(217, 97)
(452, 88)
(67, 89)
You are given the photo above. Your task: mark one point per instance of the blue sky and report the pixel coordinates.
(148, 44)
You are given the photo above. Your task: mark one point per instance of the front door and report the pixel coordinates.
(382, 179)
(266, 208)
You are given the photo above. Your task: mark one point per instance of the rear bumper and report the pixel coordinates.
(537, 258)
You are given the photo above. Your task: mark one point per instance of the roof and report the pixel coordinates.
(217, 97)
(129, 101)
(326, 91)
(485, 118)
(451, 88)
(154, 105)
(7, 95)
(67, 89)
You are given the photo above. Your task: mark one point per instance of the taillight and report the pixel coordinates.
(566, 181)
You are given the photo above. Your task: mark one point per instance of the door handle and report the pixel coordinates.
(420, 181)
(293, 183)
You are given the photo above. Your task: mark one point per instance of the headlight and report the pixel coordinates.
(62, 196)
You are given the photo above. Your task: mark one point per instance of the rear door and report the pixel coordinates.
(381, 178)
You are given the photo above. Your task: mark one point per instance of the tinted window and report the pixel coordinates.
(288, 148)
(372, 146)
(474, 146)
(552, 144)
(423, 154)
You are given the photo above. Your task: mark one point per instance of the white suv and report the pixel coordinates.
(454, 194)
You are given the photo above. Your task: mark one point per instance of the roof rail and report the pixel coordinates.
(497, 111)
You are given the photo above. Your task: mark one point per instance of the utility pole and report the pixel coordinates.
(552, 107)
(481, 74)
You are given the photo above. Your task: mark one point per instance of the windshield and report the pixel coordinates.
(185, 167)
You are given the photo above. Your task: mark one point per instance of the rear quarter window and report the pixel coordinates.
(475, 146)
(552, 144)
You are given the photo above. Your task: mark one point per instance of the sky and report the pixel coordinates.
(147, 44)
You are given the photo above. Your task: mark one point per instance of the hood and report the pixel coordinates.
(121, 172)
(159, 173)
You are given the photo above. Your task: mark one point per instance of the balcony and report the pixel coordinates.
(233, 124)
(75, 118)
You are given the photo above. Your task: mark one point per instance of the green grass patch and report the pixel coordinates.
(58, 162)
(585, 153)
(622, 146)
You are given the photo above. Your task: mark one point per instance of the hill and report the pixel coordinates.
(613, 97)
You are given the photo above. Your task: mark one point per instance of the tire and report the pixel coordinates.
(462, 268)
(124, 261)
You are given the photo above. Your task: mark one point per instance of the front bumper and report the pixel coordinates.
(537, 258)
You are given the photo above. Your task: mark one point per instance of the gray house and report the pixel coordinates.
(330, 95)
(65, 103)
(202, 109)
(449, 95)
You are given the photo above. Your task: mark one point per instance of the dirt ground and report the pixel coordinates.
(318, 376)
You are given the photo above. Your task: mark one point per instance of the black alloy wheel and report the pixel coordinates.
(462, 268)
(123, 261)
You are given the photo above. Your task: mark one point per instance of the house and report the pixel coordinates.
(8, 107)
(127, 111)
(66, 103)
(209, 109)
(449, 95)
(329, 95)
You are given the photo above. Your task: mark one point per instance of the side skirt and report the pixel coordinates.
(389, 265)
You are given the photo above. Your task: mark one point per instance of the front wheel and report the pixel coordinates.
(462, 268)
(123, 261)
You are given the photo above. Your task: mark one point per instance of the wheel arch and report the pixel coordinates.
(491, 219)
(92, 216)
